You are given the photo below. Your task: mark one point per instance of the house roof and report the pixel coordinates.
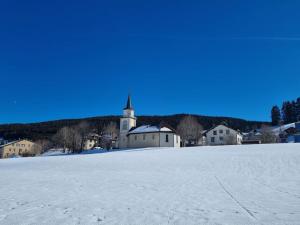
(13, 142)
(222, 124)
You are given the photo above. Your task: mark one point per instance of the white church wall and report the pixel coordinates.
(143, 140)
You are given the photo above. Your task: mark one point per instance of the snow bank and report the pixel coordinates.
(255, 184)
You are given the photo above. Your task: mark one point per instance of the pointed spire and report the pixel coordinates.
(129, 104)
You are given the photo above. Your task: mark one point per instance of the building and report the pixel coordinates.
(223, 135)
(17, 148)
(91, 141)
(3, 141)
(144, 136)
(252, 137)
(295, 137)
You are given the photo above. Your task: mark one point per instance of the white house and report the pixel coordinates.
(223, 135)
(146, 135)
(91, 140)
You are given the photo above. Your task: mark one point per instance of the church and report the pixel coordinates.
(144, 136)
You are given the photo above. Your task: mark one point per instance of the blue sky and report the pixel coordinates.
(74, 59)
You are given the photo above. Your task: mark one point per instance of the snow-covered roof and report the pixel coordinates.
(279, 129)
(150, 129)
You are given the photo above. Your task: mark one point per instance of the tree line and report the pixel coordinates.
(46, 130)
(289, 112)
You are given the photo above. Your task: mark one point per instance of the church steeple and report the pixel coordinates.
(127, 121)
(129, 104)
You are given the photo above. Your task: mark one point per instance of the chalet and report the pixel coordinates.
(17, 148)
(223, 135)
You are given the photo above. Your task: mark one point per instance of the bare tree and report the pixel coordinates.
(69, 138)
(230, 139)
(61, 138)
(111, 129)
(190, 130)
(82, 130)
(110, 133)
(267, 135)
(40, 146)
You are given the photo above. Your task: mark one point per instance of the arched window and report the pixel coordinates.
(125, 125)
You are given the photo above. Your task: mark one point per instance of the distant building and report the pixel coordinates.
(295, 137)
(3, 141)
(91, 141)
(252, 137)
(144, 136)
(223, 135)
(17, 148)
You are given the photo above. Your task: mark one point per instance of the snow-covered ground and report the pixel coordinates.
(255, 184)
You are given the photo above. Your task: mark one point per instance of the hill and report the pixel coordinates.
(248, 184)
(44, 130)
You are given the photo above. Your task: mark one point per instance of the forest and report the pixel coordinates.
(45, 130)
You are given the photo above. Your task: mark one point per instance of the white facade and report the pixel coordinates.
(144, 136)
(153, 136)
(222, 135)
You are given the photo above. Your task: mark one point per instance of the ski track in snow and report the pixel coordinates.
(234, 199)
(230, 185)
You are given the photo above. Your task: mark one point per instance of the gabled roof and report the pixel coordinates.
(222, 124)
(13, 142)
(151, 129)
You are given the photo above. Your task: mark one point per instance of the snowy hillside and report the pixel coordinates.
(257, 184)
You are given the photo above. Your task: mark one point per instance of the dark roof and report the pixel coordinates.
(129, 104)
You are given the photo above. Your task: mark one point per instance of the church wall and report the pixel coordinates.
(173, 141)
(143, 140)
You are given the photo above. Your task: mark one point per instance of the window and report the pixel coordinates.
(220, 131)
(135, 137)
(144, 136)
(227, 131)
(221, 138)
(153, 136)
(215, 132)
(125, 125)
(167, 138)
(212, 139)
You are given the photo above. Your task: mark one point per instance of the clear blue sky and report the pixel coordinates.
(71, 59)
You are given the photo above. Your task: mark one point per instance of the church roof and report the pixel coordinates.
(129, 104)
(150, 129)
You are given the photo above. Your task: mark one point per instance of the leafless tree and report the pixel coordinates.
(82, 131)
(61, 138)
(40, 146)
(190, 130)
(229, 139)
(111, 129)
(267, 135)
(110, 133)
(68, 138)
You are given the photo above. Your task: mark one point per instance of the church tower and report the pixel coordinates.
(127, 122)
